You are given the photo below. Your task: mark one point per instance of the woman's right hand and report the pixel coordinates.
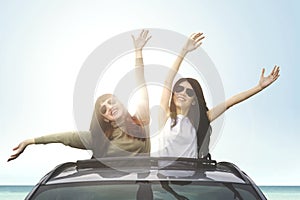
(141, 40)
(20, 148)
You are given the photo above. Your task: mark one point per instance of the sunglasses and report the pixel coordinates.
(111, 102)
(188, 91)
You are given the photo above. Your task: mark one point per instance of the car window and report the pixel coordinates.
(160, 190)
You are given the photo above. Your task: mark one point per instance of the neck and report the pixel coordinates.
(182, 111)
(119, 122)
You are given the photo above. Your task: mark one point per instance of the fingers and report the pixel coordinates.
(19, 149)
(276, 75)
(276, 71)
(192, 35)
(133, 37)
(273, 76)
(12, 157)
(142, 32)
(198, 41)
(148, 38)
(16, 148)
(145, 33)
(197, 37)
(262, 72)
(273, 71)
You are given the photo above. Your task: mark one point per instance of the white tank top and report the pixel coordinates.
(179, 141)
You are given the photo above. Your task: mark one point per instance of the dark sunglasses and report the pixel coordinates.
(188, 91)
(103, 108)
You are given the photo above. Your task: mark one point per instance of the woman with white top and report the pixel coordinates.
(185, 120)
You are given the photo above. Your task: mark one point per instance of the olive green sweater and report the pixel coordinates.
(120, 143)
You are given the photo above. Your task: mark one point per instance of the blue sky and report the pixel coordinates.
(44, 44)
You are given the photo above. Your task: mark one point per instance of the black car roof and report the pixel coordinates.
(146, 168)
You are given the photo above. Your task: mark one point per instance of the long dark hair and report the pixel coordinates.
(197, 113)
(102, 129)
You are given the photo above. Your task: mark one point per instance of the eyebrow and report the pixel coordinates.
(186, 87)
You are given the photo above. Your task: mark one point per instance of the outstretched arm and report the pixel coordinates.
(142, 111)
(193, 42)
(263, 83)
(80, 140)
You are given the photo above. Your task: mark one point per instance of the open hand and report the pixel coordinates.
(141, 40)
(19, 149)
(268, 80)
(193, 42)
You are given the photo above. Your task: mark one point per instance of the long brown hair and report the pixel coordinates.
(102, 129)
(197, 113)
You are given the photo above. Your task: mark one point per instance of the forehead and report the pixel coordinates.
(186, 84)
(108, 98)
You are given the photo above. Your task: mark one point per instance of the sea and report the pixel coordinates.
(271, 192)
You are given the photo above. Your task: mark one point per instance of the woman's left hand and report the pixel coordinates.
(266, 81)
(141, 40)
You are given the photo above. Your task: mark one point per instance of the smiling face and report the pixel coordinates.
(111, 109)
(183, 97)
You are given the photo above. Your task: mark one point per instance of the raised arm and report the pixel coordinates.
(262, 84)
(80, 140)
(193, 42)
(142, 111)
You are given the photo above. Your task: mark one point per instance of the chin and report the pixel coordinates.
(179, 104)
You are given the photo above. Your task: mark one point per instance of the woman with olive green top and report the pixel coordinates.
(113, 131)
(120, 144)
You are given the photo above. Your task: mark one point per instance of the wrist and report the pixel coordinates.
(138, 50)
(29, 141)
(138, 53)
(259, 87)
(183, 52)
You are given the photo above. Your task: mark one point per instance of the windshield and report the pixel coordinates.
(143, 190)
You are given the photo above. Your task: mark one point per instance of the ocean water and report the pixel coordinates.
(281, 192)
(14, 192)
(271, 192)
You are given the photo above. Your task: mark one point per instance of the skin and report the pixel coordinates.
(115, 112)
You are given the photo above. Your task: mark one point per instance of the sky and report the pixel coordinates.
(44, 45)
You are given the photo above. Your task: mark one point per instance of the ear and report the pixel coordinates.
(193, 103)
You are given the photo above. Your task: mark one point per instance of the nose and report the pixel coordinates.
(109, 106)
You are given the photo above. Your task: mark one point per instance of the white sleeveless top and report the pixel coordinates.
(179, 141)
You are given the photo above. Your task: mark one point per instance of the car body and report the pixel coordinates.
(146, 178)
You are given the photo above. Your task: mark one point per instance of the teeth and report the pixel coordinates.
(181, 98)
(114, 111)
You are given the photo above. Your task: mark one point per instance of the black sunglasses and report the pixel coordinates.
(103, 108)
(188, 91)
